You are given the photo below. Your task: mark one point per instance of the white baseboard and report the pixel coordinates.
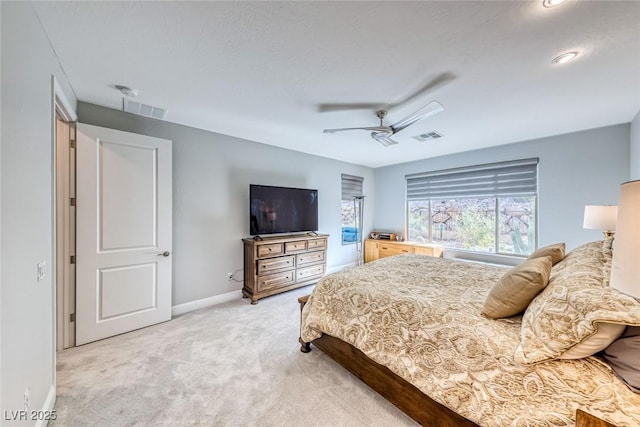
(229, 296)
(340, 267)
(48, 406)
(205, 302)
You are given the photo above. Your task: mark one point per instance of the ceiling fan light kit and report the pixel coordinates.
(565, 57)
(383, 133)
(552, 3)
(127, 91)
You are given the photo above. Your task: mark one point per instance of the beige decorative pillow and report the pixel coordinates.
(555, 251)
(517, 287)
(573, 305)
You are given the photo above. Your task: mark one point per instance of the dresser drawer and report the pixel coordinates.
(309, 258)
(427, 250)
(271, 249)
(266, 266)
(276, 280)
(309, 272)
(386, 249)
(297, 246)
(317, 243)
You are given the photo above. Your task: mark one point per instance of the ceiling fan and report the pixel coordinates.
(383, 133)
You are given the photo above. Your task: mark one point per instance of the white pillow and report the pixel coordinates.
(604, 336)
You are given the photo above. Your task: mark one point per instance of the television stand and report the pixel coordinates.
(312, 233)
(273, 265)
(257, 237)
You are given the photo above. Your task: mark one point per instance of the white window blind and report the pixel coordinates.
(351, 186)
(518, 177)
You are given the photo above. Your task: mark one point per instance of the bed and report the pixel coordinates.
(411, 327)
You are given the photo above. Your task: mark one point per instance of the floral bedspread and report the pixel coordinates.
(420, 317)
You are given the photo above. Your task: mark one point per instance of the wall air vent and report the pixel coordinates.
(143, 109)
(428, 136)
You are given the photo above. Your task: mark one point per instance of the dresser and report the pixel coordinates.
(377, 248)
(279, 264)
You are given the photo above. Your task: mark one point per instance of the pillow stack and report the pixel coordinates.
(577, 314)
(512, 294)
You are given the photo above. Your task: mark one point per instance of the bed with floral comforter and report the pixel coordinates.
(421, 318)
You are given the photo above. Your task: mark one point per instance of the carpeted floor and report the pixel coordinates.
(229, 365)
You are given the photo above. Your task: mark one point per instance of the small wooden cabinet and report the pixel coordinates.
(279, 264)
(377, 248)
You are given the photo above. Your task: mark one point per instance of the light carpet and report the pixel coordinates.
(233, 364)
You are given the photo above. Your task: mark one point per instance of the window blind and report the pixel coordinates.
(518, 177)
(351, 186)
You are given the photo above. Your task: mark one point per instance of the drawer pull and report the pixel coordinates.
(270, 249)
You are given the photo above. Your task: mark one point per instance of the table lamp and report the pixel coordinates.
(625, 268)
(600, 217)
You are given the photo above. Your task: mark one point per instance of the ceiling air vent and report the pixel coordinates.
(143, 109)
(428, 136)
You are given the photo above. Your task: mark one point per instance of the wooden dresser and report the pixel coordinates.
(377, 248)
(279, 264)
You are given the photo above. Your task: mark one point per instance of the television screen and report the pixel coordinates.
(282, 210)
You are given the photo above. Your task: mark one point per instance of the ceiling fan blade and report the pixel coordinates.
(325, 108)
(383, 138)
(428, 110)
(374, 129)
(434, 83)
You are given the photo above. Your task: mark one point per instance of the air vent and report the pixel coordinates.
(143, 109)
(428, 136)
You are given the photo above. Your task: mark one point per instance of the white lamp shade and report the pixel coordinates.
(625, 270)
(600, 217)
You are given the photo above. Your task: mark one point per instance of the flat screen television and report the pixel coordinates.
(282, 209)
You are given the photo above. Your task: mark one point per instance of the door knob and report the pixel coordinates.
(165, 253)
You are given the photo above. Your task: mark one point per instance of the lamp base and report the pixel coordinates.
(609, 234)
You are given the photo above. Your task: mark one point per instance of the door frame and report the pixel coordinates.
(59, 105)
(65, 230)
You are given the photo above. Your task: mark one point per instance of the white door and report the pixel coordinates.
(124, 238)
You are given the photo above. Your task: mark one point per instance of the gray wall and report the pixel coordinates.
(211, 177)
(635, 148)
(575, 170)
(26, 312)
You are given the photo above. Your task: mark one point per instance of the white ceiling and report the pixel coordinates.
(263, 70)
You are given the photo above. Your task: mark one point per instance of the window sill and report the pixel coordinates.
(486, 258)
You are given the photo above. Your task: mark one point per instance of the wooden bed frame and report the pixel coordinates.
(408, 398)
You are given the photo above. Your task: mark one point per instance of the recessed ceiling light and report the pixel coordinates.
(564, 58)
(552, 3)
(127, 91)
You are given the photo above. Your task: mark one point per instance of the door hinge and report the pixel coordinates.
(73, 201)
(72, 143)
(72, 259)
(72, 317)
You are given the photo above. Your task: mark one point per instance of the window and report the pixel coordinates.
(351, 208)
(486, 208)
